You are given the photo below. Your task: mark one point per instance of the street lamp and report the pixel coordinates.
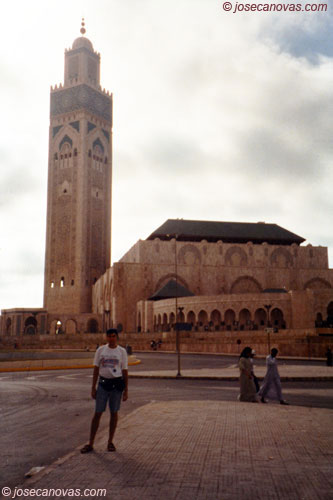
(267, 307)
(176, 305)
(180, 310)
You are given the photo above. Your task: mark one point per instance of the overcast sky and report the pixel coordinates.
(217, 116)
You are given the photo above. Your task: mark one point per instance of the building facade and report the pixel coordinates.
(247, 278)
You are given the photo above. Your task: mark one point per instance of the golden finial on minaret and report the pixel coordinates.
(83, 29)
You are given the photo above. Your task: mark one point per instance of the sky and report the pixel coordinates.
(218, 115)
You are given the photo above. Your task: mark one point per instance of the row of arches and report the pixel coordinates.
(217, 320)
(237, 256)
(69, 327)
(57, 326)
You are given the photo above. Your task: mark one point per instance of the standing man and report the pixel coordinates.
(111, 371)
(272, 384)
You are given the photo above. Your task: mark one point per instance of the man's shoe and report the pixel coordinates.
(87, 449)
(111, 447)
(263, 400)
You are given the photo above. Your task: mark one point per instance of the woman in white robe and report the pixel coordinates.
(271, 387)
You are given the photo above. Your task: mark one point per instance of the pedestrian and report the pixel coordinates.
(271, 386)
(255, 379)
(111, 371)
(247, 386)
(329, 357)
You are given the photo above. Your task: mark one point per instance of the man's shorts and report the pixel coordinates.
(103, 396)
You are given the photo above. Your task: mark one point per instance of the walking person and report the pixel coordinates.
(247, 385)
(255, 379)
(271, 387)
(111, 371)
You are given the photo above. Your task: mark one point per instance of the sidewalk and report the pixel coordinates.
(211, 450)
(288, 372)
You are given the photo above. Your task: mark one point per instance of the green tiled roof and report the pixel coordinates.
(228, 232)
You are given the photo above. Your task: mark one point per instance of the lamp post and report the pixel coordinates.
(176, 306)
(180, 309)
(267, 307)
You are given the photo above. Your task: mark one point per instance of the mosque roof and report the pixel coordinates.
(228, 232)
(171, 290)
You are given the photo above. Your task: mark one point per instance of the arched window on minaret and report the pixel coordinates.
(98, 158)
(65, 156)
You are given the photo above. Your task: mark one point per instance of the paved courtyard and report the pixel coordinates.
(207, 450)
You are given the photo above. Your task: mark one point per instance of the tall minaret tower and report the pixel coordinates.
(78, 233)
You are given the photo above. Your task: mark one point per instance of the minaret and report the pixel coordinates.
(78, 233)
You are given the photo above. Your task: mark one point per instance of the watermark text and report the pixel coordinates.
(52, 492)
(235, 7)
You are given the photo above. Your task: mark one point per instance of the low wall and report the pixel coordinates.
(289, 342)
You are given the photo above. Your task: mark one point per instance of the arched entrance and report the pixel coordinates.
(215, 319)
(203, 319)
(229, 318)
(70, 326)
(260, 319)
(30, 326)
(191, 317)
(92, 326)
(277, 318)
(244, 319)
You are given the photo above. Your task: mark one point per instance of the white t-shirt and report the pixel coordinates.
(111, 362)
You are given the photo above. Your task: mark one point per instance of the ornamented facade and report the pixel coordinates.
(238, 277)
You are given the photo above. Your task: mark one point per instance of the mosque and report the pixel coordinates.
(225, 278)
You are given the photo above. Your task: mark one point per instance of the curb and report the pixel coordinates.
(43, 368)
(230, 378)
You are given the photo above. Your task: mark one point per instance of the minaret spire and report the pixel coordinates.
(83, 29)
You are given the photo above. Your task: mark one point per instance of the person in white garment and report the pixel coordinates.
(111, 371)
(271, 386)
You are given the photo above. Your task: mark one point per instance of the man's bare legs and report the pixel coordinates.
(112, 429)
(94, 427)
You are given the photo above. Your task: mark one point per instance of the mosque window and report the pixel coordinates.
(52, 284)
(55, 156)
(62, 282)
(72, 283)
(75, 152)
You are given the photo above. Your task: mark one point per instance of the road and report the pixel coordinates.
(45, 415)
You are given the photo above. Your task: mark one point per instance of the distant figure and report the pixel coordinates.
(255, 379)
(247, 386)
(153, 345)
(272, 384)
(329, 357)
(159, 343)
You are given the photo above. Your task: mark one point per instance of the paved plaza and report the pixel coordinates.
(206, 450)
